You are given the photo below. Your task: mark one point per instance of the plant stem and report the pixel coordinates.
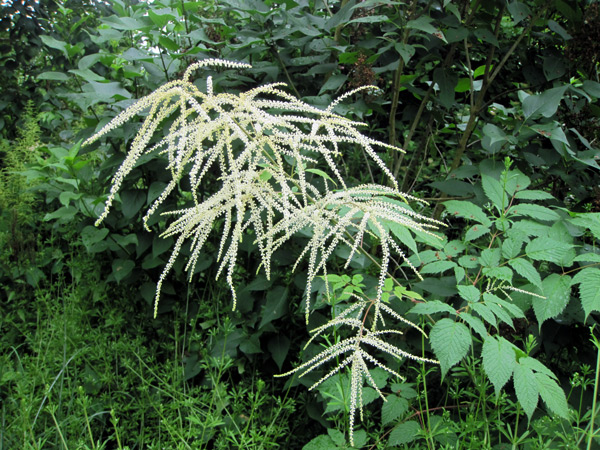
(595, 396)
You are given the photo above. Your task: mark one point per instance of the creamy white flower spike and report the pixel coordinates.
(276, 161)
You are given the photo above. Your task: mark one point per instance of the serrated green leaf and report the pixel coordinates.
(404, 433)
(494, 191)
(536, 366)
(498, 361)
(511, 247)
(486, 313)
(432, 307)
(589, 289)
(526, 270)
(536, 211)
(587, 257)
(498, 273)
(476, 231)
(403, 235)
(511, 308)
(490, 257)
(437, 267)
(450, 342)
(557, 290)
(469, 293)
(393, 408)
(321, 442)
(533, 195)
(526, 389)
(475, 323)
(547, 249)
(467, 210)
(552, 394)
(591, 221)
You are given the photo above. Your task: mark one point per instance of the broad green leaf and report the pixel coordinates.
(445, 81)
(54, 76)
(499, 312)
(519, 11)
(467, 210)
(322, 174)
(511, 247)
(553, 395)
(450, 342)
(513, 309)
(494, 191)
(535, 365)
(124, 241)
(341, 17)
(277, 305)
(393, 408)
(547, 249)
(533, 195)
(498, 273)
(524, 268)
(486, 313)
(321, 442)
(371, 19)
(404, 433)
(55, 43)
(554, 67)
(588, 258)
(475, 323)
(476, 231)
(469, 293)
(406, 51)
(87, 74)
(589, 289)
(91, 235)
(437, 267)
(554, 26)
(279, 346)
(591, 221)
(486, 35)
(494, 133)
(544, 104)
(403, 235)
(432, 307)
(423, 23)
(121, 268)
(132, 201)
(535, 211)
(526, 388)
(592, 88)
(498, 361)
(490, 257)
(63, 214)
(334, 83)
(557, 290)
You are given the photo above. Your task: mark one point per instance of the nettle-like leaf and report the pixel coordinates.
(276, 161)
(450, 341)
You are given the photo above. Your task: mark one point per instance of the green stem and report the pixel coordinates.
(595, 396)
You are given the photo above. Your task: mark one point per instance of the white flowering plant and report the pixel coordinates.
(277, 163)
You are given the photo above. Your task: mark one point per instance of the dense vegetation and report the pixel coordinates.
(489, 343)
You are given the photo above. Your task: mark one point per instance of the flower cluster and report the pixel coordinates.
(277, 160)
